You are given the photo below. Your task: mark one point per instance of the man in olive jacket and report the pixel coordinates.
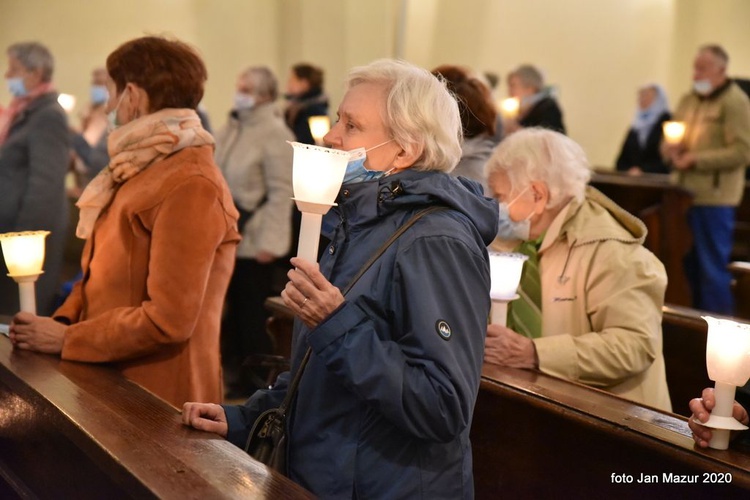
(711, 162)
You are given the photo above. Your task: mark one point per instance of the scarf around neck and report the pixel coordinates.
(133, 147)
(17, 105)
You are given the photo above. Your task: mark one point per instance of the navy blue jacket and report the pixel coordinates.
(385, 404)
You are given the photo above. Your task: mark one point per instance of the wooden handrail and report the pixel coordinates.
(79, 430)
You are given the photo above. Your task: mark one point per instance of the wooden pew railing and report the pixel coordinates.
(663, 208)
(72, 430)
(535, 436)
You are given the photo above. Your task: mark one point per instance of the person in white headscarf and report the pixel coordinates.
(640, 151)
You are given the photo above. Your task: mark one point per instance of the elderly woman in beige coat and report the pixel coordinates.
(592, 314)
(253, 155)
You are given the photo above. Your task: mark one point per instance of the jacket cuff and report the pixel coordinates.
(338, 323)
(557, 356)
(237, 430)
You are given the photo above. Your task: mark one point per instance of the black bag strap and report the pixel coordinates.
(292, 391)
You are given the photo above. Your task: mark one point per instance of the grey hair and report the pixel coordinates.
(263, 80)
(529, 75)
(421, 115)
(33, 56)
(537, 154)
(718, 52)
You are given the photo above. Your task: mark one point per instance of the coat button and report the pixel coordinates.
(346, 193)
(331, 250)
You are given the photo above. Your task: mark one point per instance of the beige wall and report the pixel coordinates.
(596, 52)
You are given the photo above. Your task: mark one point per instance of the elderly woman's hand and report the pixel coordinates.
(505, 347)
(701, 408)
(309, 294)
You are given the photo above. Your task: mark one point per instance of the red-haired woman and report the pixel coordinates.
(161, 231)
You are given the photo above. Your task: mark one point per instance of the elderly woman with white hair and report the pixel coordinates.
(34, 157)
(591, 294)
(385, 403)
(253, 155)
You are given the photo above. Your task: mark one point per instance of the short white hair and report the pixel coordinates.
(33, 56)
(537, 154)
(263, 81)
(420, 113)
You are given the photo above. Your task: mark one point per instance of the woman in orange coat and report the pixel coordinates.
(161, 232)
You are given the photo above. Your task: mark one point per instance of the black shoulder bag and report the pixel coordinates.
(267, 440)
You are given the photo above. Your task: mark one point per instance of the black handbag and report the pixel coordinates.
(268, 440)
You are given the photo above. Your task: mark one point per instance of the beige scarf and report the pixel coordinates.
(134, 147)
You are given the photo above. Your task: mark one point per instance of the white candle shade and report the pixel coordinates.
(319, 127)
(728, 351)
(23, 252)
(509, 107)
(317, 173)
(674, 132)
(505, 271)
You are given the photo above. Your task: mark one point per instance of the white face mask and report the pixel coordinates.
(243, 101)
(112, 115)
(702, 87)
(508, 229)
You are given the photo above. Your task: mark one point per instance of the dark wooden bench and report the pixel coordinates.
(663, 208)
(536, 436)
(73, 430)
(741, 288)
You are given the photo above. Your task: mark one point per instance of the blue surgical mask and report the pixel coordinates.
(702, 87)
(99, 94)
(16, 87)
(355, 169)
(508, 229)
(112, 115)
(243, 101)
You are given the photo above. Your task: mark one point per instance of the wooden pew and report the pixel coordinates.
(663, 209)
(73, 430)
(741, 288)
(741, 250)
(535, 436)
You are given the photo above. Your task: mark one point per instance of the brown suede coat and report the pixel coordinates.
(156, 270)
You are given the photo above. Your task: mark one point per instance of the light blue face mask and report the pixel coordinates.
(98, 94)
(16, 87)
(112, 115)
(508, 229)
(355, 169)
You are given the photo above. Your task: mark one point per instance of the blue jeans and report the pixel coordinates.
(706, 263)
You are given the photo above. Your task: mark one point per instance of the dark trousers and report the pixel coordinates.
(244, 327)
(706, 264)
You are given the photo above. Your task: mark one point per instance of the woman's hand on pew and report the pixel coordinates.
(205, 417)
(505, 347)
(701, 408)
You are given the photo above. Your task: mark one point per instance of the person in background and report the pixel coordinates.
(160, 230)
(538, 106)
(640, 151)
(385, 403)
(478, 116)
(253, 154)
(304, 92)
(702, 407)
(34, 158)
(90, 145)
(711, 162)
(591, 293)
